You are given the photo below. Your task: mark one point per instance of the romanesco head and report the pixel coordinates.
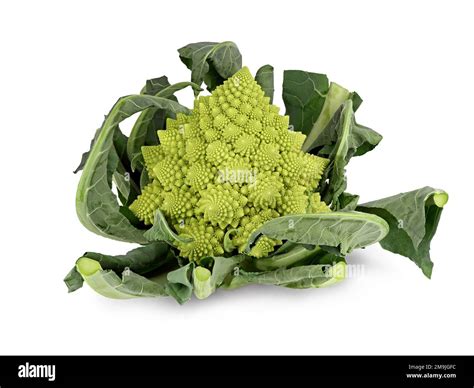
(231, 165)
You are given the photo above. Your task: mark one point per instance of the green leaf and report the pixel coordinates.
(304, 95)
(148, 122)
(144, 179)
(73, 280)
(85, 155)
(335, 97)
(161, 231)
(362, 139)
(356, 100)
(96, 205)
(225, 58)
(131, 285)
(348, 201)
(339, 157)
(292, 257)
(154, 85)
(180, 286)
(144, 128)
(264, 78)
(314, 109)
(109, 284)
(118, 171)
(131, 217)
(212, 79)
(120, 143)
(306, 276)
(344, 230)
(223, 266)
(413, 218)
(141, 260)
(346, 139)
(122, 181)
(169, 91)
(221, 60)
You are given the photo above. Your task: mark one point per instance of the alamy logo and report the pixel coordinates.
(237, 176)
(37, 371)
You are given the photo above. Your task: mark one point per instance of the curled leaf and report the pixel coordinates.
(96, 204)
(110, 285)
(413, 218)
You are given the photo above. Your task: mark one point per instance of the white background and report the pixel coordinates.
(63, 65)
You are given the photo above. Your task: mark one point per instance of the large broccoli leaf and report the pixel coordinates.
(345, 230)
(311, 102)
(304, 95)
(359, 138)
(413, 219)
(325, 113)
(96, 204)
(336, 96)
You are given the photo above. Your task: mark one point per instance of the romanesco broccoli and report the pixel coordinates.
(230, 166)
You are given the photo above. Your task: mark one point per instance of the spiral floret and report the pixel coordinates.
(221, 205)
(317, 205)
(205, 240)
(265, 193)
(294, 201)
(151, 156)
(263, 247)
(148, 201)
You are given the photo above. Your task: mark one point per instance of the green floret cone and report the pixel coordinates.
(232, 164)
